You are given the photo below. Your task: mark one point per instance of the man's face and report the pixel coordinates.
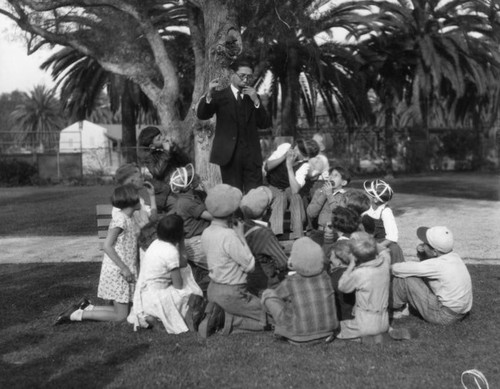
(242, 77)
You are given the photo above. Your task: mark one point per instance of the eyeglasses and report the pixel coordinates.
(244, 77)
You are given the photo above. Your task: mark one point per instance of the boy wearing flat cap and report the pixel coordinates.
(270, 259)
(303, 305)
(229, 261)
(439, 286)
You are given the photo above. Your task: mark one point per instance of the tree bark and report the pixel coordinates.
(219, 20)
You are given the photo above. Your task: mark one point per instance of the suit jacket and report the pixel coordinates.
(224, 105)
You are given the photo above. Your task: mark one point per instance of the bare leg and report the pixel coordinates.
(118, 312)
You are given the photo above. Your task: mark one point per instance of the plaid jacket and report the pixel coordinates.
(309, 305)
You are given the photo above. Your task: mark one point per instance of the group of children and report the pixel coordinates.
(216, 264)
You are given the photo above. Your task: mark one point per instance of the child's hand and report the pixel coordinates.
(328, 188)
(128, 275)
(238, 227)
(150, 188)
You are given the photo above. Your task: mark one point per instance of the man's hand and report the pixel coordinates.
(212, 86)
(252, 93)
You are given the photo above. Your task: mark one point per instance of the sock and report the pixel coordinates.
(89, 307)
(77, 315)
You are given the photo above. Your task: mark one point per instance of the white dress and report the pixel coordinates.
(156, 296)
(112, 284)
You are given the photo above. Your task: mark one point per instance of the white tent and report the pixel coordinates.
(100, 154)
(81, 136)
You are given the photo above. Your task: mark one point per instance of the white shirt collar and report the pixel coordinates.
(235, 91)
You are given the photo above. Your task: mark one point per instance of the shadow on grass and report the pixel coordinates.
(27, 290)
(40, 372)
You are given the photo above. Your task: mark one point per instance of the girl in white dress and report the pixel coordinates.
(166, 284)
(119, 265)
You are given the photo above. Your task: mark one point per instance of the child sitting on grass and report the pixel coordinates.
(386, 229)
(303, 305)
(439, 286)
(368, 275)
(229, 261)
(166, 287)
(188, 203)
(119, 265)
(325, 199)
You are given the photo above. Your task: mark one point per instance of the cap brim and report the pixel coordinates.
(422, 234)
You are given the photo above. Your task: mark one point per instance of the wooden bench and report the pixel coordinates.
(103, 218)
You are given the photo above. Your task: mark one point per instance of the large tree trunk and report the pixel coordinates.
(220, 23)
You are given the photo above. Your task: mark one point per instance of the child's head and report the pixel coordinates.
(357, 200)
(345, 220)
(223, 200)
(256, 203)
(342, 250)
(171, 229)
(437, 240)
(129, 173)
(306, 257)
(150, 137)
(380, 192)
(125, 196)
(339, 177)
(181, 179)
(363, 247)
(307, 148)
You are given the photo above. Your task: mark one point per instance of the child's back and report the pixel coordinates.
(303, 305)
(370, 280)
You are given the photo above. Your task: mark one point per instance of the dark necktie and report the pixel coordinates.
(239, 98)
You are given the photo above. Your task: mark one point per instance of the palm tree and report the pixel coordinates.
(38, 119)
(429, 54)
(83, 80)
(284, 37)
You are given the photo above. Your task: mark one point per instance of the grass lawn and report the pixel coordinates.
(33, 353)
(52, 210)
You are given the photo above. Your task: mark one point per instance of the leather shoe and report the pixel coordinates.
(64, 317)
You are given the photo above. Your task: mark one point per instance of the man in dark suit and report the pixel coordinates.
(236, 145)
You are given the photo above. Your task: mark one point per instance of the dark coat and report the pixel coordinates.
(224, 105)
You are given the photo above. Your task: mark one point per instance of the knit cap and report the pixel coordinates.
(222, 200)
(306, 257)
(256, 201)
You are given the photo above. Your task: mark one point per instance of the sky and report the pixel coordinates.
(17, 69)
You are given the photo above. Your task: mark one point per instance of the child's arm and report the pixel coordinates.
(176, 277)
(182, 254)
(238, 249)
(348, 281)
(390, 226)
(152, 201)
(317, 203)
(109, 249)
